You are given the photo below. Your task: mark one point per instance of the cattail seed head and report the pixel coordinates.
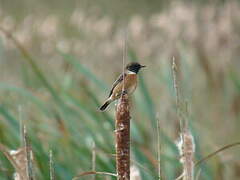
(186, 147)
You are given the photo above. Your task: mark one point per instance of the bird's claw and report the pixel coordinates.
(124, 92)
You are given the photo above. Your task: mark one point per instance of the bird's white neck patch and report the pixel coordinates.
(130, 72)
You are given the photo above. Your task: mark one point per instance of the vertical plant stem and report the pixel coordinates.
(178, 100)
(21, 130)
(158, 149)
(124, 58)
(51, 166)
(94, 159)
(186, 144)
(29, 166)
(122, 134)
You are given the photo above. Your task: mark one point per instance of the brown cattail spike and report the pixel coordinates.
(122, 133)
(186, 147)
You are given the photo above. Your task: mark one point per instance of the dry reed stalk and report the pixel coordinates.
(51, 166)
(179, 103)
(186, 144)
(28, 152)
(20, 117)
(122, 134)
(158, 149)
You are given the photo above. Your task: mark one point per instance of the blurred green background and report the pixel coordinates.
(77, 50)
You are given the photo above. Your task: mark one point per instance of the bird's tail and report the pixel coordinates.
(105, 105)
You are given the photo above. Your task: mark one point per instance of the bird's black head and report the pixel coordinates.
(134, 67)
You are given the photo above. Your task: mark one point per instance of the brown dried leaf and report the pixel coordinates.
(19, 161)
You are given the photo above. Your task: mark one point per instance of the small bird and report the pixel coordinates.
(129, 83)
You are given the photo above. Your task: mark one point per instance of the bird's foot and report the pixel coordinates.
(124, 92)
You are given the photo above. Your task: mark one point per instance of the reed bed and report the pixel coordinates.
(59, 76)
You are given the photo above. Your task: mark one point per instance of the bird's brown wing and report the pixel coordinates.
(119, 79)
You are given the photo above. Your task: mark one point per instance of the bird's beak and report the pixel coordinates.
(143, 66)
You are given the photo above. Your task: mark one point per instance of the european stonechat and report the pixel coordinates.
(129, 83)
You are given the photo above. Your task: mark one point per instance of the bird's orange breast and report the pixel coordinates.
(130, 84)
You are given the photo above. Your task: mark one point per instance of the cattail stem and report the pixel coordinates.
(51, 166)
(27, 147)
(158, 149)
(186, 144)
(122, 134)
